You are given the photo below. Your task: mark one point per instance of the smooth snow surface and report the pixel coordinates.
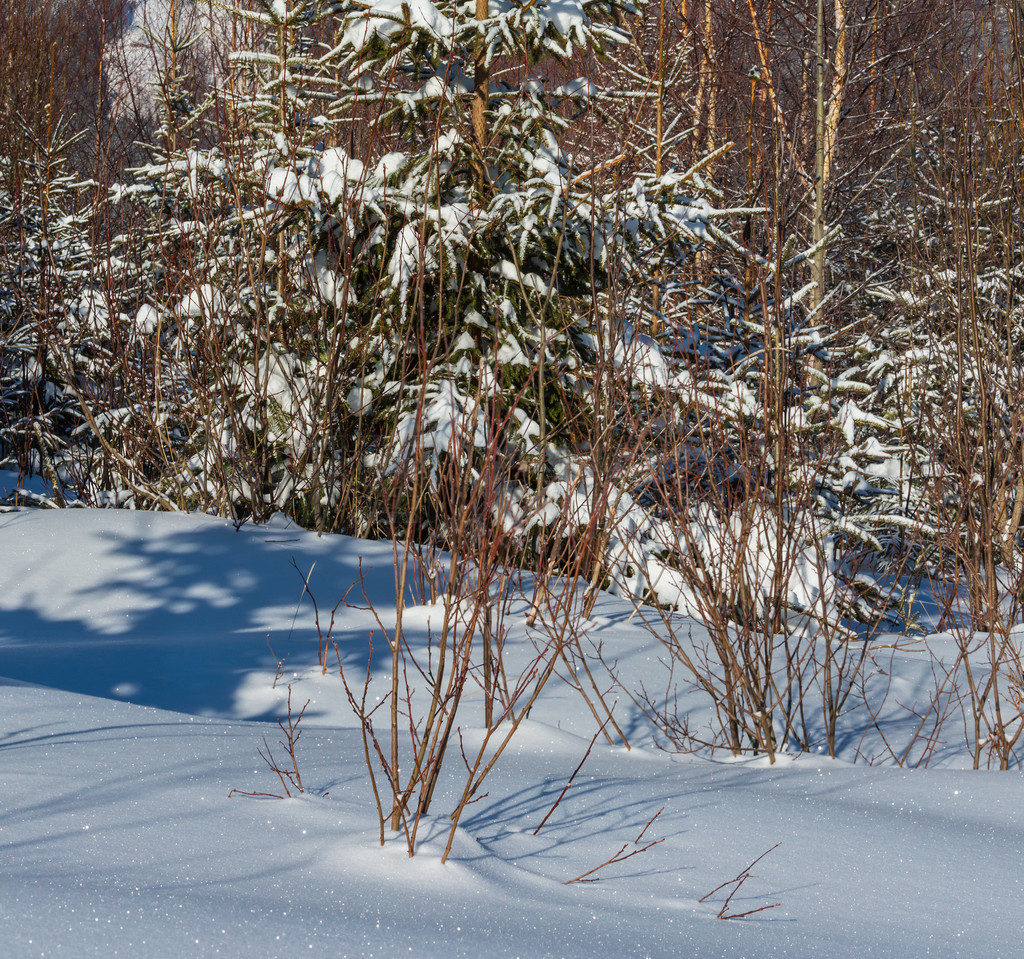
(142, 650)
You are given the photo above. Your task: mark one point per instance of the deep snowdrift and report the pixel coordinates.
(142, 651)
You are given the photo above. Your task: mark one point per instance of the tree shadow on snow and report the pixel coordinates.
(174, 612)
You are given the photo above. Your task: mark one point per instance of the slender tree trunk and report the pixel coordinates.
(282, 247)
(827, 116)
(481, 92)
(818, 267)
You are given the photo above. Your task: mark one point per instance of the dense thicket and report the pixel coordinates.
(715, 305)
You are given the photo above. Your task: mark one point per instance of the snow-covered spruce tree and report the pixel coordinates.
(744, 397)
(53, 337)
(957, 367)
(164, 241)
(370, 257)
(96, 391)
(771, 488)
(479, 246)
(952, 299)
(236, 328)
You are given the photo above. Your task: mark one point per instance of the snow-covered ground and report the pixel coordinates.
(141, 651)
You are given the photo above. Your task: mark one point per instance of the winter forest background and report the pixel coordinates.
(716, 306)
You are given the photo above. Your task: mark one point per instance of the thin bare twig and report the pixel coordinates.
(619, 857)
(575, 772)
(737, 883)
